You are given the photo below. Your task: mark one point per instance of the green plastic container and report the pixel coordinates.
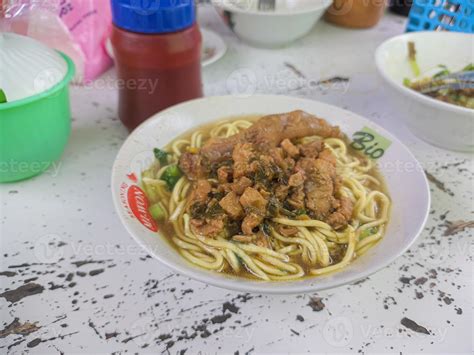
(34, 131)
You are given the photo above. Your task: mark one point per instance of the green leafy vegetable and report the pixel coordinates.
(157, 212)
(443, 72)
(469, 67)
(161, 155)
(273, 207)
(368, 232)
(214, 211)
(300, 212)
(171, 176)
(287, 212)
(3, 97)
(198, 209)
(266, 229)
(233, 228)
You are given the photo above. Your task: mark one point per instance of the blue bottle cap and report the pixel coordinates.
(153, 16)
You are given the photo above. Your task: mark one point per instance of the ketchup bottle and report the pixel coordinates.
(157, 48)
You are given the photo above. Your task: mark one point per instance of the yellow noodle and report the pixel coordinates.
(288, 249)
(278, 263)
(344, 262)
(217, 264)
(368, 240)
(185, 245)
(271, 270)
(315, 241)
(232, 259)
(302, 223)
(298, 275)
(175, 147)
(301, 241)
(179, 209)
(260, 250)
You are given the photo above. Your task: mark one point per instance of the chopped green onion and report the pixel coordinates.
(368, 232)
(407, 82)
(171, 175)
(161, 156)
(3, 97)
(157, 212)
(412, 59)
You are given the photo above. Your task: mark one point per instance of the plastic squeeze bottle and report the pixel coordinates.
(157, 48)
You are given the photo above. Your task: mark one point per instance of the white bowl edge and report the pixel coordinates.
(259, 286)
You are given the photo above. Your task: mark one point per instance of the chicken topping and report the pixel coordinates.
(230, 203)
(252, 200)
(241, 182)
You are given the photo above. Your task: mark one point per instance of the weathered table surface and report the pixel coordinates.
(73, 280)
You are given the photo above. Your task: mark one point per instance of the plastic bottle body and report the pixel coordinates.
(155, 71)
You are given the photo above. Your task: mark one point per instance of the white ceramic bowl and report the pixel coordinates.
(405, 180)
(291, 20)
(442, 124)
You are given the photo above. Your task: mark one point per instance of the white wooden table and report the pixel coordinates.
(73, 280)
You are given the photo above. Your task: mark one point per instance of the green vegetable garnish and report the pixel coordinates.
(469, 67)
(266, 229)
(213, 211)
(443, 72)
(171, 176)
(161, 156)
(287, 212)
(300, 212)
(3, 97)
(368, 232)
(407, 82)
(412, 59)
(157, 212)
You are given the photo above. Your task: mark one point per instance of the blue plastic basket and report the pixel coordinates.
(441, 15)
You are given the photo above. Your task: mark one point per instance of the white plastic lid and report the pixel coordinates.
(28, 67)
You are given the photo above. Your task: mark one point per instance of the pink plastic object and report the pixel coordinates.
(79, 28)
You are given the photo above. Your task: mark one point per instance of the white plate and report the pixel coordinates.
(404, 176)
(442, 124)
(213, 47)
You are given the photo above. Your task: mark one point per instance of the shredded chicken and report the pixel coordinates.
(241, 182)
(200, 192)
(209, 227)
(252, 200)
(296, 179)
(290, 148)
(343, 213)
(230, 203)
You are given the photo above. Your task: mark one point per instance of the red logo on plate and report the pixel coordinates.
(138, 203)
(132, 177)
